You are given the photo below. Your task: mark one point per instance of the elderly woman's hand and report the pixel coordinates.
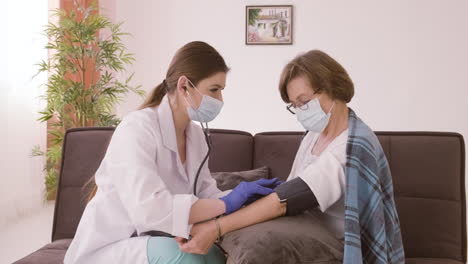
(203, 237)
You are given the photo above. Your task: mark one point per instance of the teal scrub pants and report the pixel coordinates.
(165, 250)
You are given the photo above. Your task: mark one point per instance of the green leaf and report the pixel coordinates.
(36, 151)
(73, 41)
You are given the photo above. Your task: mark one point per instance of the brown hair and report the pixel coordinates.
(323, 72)
(196, 60)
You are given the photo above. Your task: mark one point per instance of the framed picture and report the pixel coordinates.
(269, 25)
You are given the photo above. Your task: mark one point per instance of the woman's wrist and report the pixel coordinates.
(222, 226)
(222, 206)
(282, 204)
(218, 230)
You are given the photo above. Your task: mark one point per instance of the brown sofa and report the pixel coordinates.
(428, 171)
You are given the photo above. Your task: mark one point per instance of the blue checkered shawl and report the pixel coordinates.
(372, 229)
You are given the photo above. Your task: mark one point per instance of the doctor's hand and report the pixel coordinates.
(247, 192)
(272, 184)
(203, 237)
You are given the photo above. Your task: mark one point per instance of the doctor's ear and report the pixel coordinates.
(182, 84)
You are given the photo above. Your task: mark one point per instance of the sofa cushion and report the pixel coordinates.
(232, 150)
(284, 241)
(428, 180)
(277, 151)
(83, 151)
(52, 253)
(229, 180)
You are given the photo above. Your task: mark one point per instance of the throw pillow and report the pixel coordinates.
(229, 180)
(284, 240)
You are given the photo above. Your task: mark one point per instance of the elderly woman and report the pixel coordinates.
(340, 168)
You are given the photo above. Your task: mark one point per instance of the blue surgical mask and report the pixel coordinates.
(314, 118)
(207, 111)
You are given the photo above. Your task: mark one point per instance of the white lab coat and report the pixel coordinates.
(142, 186)
(325, 176)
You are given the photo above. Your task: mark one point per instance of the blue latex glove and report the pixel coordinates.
(245, 190)
(272, 185)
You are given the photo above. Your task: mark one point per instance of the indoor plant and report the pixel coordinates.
(86, 54)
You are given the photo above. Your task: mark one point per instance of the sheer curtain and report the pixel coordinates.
(21, 46)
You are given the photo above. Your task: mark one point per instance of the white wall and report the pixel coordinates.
(408, 59)
(21, 46)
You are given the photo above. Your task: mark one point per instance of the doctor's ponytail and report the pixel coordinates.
(156, 96)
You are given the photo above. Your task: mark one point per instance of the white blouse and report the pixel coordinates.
(325, 176)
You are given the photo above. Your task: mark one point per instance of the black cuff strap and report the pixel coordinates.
(298, 195)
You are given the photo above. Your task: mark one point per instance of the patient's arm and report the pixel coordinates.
(204, 234)
(262, 210)
(205, 209)
(299, 198)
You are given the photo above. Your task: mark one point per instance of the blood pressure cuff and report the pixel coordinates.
(298, 195)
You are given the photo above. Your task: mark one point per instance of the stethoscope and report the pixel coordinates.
(206, 132)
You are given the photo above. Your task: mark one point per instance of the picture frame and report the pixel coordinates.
(269, 25)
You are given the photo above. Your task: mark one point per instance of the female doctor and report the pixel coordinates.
(147, 182)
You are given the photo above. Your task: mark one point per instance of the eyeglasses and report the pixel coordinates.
(302, 106)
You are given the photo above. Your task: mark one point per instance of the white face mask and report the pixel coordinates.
(207, 111)
(313, 118)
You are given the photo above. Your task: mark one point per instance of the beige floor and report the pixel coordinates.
(26, 235)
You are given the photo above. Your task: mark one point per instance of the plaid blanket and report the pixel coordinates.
(372, 228)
